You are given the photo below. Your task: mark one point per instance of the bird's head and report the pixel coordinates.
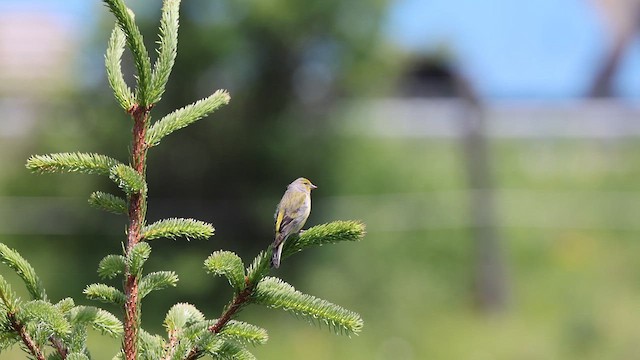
(304, 184)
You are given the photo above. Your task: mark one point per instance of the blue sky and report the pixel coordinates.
(543, 49)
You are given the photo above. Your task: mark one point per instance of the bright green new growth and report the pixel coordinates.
(16, 262)
(157, 281)
(108, 202)
(174, 228)
(137, 257)
(111, 266)
(181, 315)
(135, 43)
(72, 162)
(127, 179)
(99, 319)
(168, 47)
(275, 293)
(228, 264)
(245, 333)
(186, 116)
(113, 60)
(105, 293)
(9, 300)
(59, 331)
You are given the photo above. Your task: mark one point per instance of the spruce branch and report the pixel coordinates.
(135, 43)
(112, 59)
(151, 346)
(16, 262)
(99, 319)
(186, 116)
(65, 305)
(275, 293)
(77, 356)
(111, 266)
(61, 349)
(71, 162)
(43, 320)
(179, 317)
(156, 281)
(244, 333)
(105, 293)
(167, 50)
(258, 269)
(319, 235)
(137, 256)
(228, 264)
(10, 301)
(239, 300)
(128, 179)
(260, 266)
(27, 340)
(176, 227)
(107, 202)
(232, 351)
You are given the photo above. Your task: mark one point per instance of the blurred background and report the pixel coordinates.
(492, 148)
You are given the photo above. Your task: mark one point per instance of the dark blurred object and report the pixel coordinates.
(624, 18)
(435, 76)
(428, 78)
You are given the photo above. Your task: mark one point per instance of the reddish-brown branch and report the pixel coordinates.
(137, 210)
(26, 338)
(170, 348)
(236, 304)
(238, 301)
(59, 346)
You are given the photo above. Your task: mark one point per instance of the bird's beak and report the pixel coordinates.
(313, 186)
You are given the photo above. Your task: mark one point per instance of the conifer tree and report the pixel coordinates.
(48, 329)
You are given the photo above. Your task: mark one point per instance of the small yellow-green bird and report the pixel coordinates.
(291, 214)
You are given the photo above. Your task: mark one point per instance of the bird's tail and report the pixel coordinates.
(275, 259)
(278, 244)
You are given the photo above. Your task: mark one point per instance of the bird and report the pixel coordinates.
(291, 214)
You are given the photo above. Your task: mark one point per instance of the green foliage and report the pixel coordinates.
(72, 162)
(157, 281)
(181, 315)
(260, 266)
(174, 228)
(168, 46)
(127, 179)
(186, 116)
(108, 202)
(77, 356)
(9, 299)
(16, 262)
(64, 327)
(112, 60)
(151, 346)
(105, 293)
(43, 320)
(324, 234)
(276, 293)
(111, 266)
(135, 43)
(99, 319)
(232, 351)
(65, 305)
(245, 333)
(137, 257)
(228, 264)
